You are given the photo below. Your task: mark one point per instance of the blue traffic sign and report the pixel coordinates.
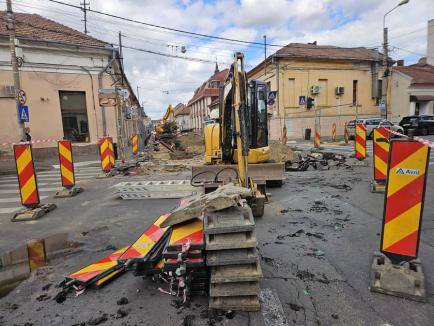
(302, 100)
(23, 113)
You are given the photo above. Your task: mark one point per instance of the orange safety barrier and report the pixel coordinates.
(405, 192)
(111, 152)
(381, 139)
(360, 141)
(317, 139)
(104, 150)
(26, 175)
(334, 132)
(66, 163)
(135, 144)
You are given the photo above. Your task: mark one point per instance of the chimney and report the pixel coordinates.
(430, 45)
(400, 63)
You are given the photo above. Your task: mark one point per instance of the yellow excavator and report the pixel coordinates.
(166, 126)
(221, 149)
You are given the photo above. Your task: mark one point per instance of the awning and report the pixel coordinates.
(421, 98)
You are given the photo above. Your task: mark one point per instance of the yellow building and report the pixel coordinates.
(342, 83)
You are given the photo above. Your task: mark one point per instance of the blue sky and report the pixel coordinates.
(163, 80)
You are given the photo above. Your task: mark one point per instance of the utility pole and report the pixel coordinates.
(85, 9)
(121, 56)
(385, 67)
(15, 72)
(138, 95)
(265, 55)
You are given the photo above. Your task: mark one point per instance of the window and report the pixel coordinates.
(379, 92)
(354, 92)
(74, 116)
(417, 108)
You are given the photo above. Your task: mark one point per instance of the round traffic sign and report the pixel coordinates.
(22, 98)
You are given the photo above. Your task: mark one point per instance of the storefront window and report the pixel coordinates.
(74, 116)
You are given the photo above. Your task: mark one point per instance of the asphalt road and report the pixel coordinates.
(316, 242)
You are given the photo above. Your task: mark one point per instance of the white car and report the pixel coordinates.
(370, 124)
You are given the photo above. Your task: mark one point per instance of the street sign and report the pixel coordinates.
(381, 105)
(22, 98)
(271, 98)
(23, 113)
(302, 100)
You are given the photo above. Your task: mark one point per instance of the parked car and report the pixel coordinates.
(418, 124)
(370, 124)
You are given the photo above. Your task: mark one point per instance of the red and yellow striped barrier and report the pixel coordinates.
(333, 132)
(360, 141)
(104, 150)
(98, 270)
(26, 175)
(111, 152)
(66, 163)
(317, 139)
(381, 139)
(143, 246)
(135, 144)
(36, 254)
(188, 232)
(405, 192)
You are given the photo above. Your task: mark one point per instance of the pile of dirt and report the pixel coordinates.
(192, 142)
(280, 152)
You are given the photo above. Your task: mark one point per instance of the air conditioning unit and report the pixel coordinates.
(10, 91)
(315, 89)
(339, 90)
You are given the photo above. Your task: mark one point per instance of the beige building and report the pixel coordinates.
(412, 87)
(203, 97)
(182, 117)
(342, 83)
(65, 75)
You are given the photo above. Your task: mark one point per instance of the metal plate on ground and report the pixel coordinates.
(234, 289)
(156, 189)
(236, 273)
(232, 257)
(406, 280)
(236, 219)
(230, 240)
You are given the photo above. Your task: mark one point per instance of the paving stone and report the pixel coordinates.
(236, 219)
(234, 289)
(236, 273)
(230, 240)
(231, 257)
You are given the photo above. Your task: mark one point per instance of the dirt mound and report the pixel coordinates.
(280, 152)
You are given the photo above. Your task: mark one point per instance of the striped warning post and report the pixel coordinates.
(26, 175)
(111, 152)
(104, 150)
(334, 132)
(144, 245)
(66, 163)
(135, 144)
(98, 270)
(36, 254)
(360, 141)
(405, 192)
(317, 139)
(381, 139)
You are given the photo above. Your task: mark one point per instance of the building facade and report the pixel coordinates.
(341, 82)
(203, 97)
(73, 87)
(182, 117)
(412, 87)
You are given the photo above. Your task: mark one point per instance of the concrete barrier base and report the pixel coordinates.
(29, 214)
(64, 193)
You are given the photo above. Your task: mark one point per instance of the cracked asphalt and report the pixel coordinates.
(316, 242)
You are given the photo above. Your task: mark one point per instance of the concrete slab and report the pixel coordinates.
(230, 240)
(236, 273)
(232, 257)
(271, 308)
(241, 303)
(234, 289)
(234, 219)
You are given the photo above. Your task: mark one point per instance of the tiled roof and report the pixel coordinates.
(205, 90)
(301, 50)
(42, 29)
(422, 74)
(181, 109)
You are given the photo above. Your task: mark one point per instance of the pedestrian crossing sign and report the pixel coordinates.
(301, 100)
(23, 113)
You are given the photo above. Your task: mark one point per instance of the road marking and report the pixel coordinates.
(83, 164)
(16, 191)
(16, 199)
(40, 176)
(16, 184)
(9, 210)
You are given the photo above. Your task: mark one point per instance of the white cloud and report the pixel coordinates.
(332, 22)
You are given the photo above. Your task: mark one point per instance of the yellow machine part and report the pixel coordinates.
(213, 150)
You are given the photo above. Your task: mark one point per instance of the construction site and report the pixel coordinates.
(224, 229)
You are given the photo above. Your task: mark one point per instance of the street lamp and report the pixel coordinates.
(386, 54)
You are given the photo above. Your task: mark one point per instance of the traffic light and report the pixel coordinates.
(310, 103)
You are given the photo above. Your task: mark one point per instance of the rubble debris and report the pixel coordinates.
(122, 301)
(97, 320)
(61, 296)
(280, 152)
(46, 287)
(295, 307)
(121, 313)
(43, 297)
